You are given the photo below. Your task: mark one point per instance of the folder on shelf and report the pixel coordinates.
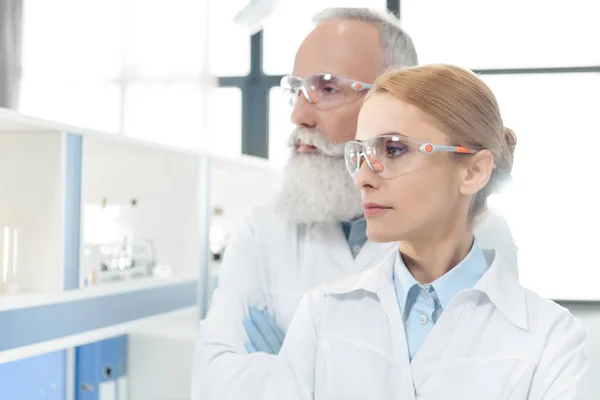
(39, 377)
(101, 370)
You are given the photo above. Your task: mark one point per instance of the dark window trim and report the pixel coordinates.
(255, 100)
(549, 70)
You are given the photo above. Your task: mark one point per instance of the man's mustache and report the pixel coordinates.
(315, 138)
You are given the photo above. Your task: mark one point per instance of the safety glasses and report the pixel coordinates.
(393, 155)
(324, 91)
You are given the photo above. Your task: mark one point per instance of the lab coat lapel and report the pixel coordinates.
(501, 287)
(389, 303)
(433, 350)
(379, 280)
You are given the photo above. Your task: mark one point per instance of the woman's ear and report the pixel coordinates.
(477, 172)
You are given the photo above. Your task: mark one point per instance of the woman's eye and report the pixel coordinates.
(395, 150)
(330, 89)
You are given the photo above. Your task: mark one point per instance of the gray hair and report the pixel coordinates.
(396, 45)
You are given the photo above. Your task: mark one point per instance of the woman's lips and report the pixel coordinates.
(372, 209)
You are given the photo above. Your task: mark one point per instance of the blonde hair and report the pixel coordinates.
(462, 106)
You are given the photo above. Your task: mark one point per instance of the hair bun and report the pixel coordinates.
(502, 172)
(510, 138)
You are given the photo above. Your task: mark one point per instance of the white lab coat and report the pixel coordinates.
(495, 341)
(271, 262)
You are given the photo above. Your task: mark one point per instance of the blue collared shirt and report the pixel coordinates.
(422, 305)
(356, 234)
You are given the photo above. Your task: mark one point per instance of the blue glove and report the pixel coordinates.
(263, 333)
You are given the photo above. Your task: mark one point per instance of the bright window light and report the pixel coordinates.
(552, 207)
(504, 33)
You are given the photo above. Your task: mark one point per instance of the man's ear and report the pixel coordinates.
(477, 172)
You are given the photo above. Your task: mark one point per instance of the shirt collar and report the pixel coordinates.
(403, 281)
(463, 276)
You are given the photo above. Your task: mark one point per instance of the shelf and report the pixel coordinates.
(28, 300)
(44, 323)
(181, 326)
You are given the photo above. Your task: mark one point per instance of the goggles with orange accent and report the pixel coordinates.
(393, 155)
(324, 91)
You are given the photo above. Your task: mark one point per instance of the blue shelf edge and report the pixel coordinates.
(28, 326)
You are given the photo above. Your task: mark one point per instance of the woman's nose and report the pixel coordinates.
(365, 178)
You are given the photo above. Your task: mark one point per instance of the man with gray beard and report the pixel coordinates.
(316, 187)
(313, 232)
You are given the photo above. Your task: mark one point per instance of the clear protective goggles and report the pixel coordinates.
(324, 90)
(393, 155)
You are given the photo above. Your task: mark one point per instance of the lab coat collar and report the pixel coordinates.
(503, 289)
(372, 280)
(498, 284)
(337, 247)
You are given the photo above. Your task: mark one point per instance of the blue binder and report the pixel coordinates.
(40, 377)
(98, 369)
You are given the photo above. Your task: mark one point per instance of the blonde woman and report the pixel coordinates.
(441, 318)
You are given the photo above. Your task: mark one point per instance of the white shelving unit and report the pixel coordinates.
(65, 188)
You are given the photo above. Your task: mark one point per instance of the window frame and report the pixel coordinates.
(256, 85)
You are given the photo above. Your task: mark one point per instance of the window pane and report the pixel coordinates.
(504, 33)
(165, 37)
(168, 114)
(86, 104)
(280, 127)
(229, 42)
(71, 38)
(284, 32)
(553, 205)
(224, 131)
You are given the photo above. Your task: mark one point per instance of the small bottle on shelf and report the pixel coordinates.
(9, 256)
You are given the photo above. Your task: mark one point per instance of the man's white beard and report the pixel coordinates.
(316, 186)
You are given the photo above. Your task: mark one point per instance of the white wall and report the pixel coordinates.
(589, 314)
(31, 202)
(239, 184)
(165, 185)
